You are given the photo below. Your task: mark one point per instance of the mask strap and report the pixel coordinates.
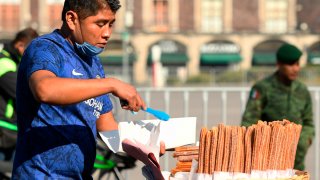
(80, 29)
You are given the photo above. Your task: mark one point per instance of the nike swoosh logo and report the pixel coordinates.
(76, 73)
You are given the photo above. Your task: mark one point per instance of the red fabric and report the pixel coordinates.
(141, 152)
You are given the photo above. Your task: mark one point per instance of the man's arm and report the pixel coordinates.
(254, 107)
(106, 122)
(48, 88)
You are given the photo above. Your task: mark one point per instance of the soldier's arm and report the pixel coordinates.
(308, 130)
(254, 107)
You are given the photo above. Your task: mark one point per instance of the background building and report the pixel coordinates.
(195, 36)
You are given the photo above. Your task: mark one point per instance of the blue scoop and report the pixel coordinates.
(158, 114)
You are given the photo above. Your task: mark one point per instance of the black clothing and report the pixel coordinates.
(8, 80)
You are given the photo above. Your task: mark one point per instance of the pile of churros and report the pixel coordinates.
(258, 148)
(262, 146)
(184, 156)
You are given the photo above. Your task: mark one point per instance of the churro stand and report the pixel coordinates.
(261, 151)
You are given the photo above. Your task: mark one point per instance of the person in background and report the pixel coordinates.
(10, 57)
(282, 96)
(63, 95)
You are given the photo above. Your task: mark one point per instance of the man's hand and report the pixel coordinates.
(128, 94)
(162, 148)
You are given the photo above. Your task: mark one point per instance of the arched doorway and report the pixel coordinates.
(264, 54)
(220, 53)
(314, 53)
(173, 59)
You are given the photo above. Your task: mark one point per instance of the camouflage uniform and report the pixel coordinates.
(271, 100)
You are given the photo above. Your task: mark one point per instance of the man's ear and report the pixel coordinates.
(71, 20)
(20, 46)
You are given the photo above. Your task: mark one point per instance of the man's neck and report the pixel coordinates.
(65, 32)
(284, 80)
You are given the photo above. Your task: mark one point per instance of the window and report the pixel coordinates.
(161, 19)
(276, 16)
(211, 15)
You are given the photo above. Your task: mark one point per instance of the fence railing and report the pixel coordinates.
(211, 106)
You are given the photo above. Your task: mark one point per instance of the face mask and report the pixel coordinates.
(87, 49)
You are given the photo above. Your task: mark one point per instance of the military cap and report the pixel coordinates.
(288, 53)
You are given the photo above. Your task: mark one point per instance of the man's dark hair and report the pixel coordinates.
(25, 35)
(86, 8)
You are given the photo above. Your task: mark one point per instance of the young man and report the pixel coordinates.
(62, 95)
(282, 96)
(10, 57)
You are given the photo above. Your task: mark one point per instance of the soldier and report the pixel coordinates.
(282, 96)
